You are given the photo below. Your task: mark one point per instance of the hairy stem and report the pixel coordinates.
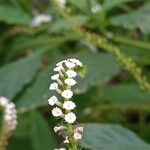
(73, 144)
(3, 138)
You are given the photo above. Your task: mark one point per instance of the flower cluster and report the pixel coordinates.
(9, 113)
(39, 19)
(63, 106)
(97, 8)
(9, 121)
(61, 3)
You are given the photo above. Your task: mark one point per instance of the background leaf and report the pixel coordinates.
(111, 137)
(41, 136)
(113, 3)
(12, 15)
(14, 76)
(119, 95)
(101, 68)
(136, 19)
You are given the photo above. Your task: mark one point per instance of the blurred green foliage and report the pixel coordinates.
(108, 93)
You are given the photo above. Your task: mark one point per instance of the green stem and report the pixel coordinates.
(4, 137)
(73, 144)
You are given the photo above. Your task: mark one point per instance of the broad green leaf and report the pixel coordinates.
(98, 73)
(12, 15)
(101, 68)
(37, 94)
(41, 136)
(136, 19)
(111, 137)
(20, 143)
(108, 4)
(14, 76)
(125, 94)
(32, 133)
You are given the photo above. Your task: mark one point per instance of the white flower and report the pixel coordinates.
(66, 140)
(53, 100)
(55, 77)
(57, 112)
(11, 106)
(58, 128)
(70, 81)
(69, 105)
(70, 117)
(60, 63)
(67, 94)
(58, 68)
(53, 86)
(71, 73)
(59, 149)
(77, 136)
(76, 61)
(69, 64)
(78, 129)
(9, 113)
(39, 19)
(3, 101)
(96, 8)
(61, 3)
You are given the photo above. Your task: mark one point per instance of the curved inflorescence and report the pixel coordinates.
(9, 120)
(63, 106)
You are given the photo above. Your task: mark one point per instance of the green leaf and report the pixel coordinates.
(12, 15)
(37, 94)
(136, 19)
(14, 76)
(113, 3)
(125, 94)
(41, 136)
(21, 143)
(101, 68)
(32, 133)
(111, 137)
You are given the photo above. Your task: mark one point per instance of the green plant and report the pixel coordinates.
(111, 37)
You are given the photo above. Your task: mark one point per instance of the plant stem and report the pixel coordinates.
(73, 144)
(3, 138)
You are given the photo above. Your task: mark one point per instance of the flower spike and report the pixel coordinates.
(66, 71)
(9, 120)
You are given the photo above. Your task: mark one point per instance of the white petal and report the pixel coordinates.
(53, 86)
(53, 100)
(56, 112)
(77, 136)
(69, 64)
(67, 94)
(69, 105)
(39, 19)
(59, 68)
(70, 81)
(70, 117)
(71, 73)
(55, 77)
